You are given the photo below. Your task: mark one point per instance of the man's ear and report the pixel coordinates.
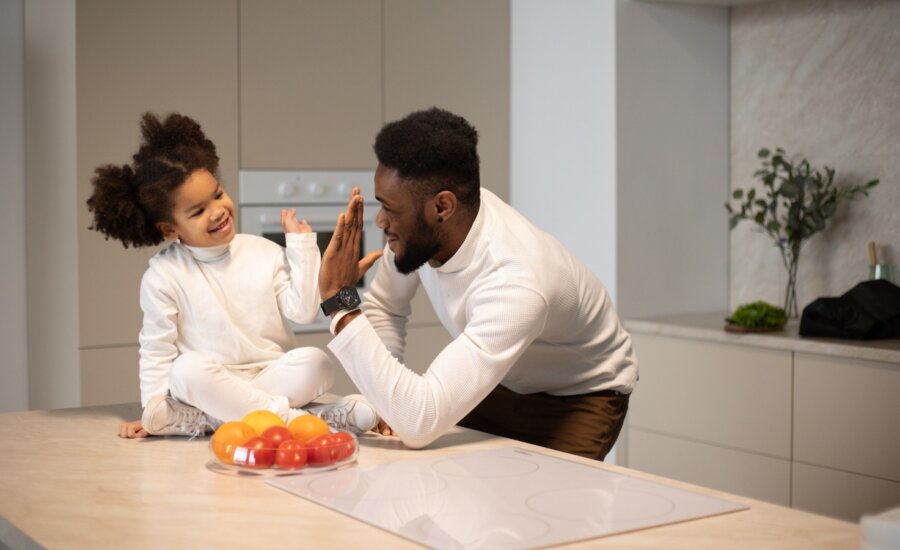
(167, 230)
(445, 204)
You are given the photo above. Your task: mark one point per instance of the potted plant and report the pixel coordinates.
(796, 202)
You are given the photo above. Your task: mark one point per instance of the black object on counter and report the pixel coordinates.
(868, 311)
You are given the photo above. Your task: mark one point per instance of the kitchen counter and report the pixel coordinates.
(69, 481)
(710, 327)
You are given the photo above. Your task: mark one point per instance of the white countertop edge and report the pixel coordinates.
(709, 326)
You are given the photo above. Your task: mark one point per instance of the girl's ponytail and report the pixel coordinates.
(129, 201)
(117, 211)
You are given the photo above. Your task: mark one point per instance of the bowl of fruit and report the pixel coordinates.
(261, 444)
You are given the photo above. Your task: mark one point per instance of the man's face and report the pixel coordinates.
(402, 217)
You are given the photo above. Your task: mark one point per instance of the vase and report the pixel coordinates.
(791, 262)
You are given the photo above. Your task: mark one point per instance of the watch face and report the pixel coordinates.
(348, 297)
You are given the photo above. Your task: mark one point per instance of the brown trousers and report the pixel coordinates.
(586, 425)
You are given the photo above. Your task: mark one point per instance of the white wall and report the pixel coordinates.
(50, 163)
(672, 80)
(13, 312)
(619, 143)
(562, 112)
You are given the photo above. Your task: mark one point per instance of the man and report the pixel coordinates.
(538, 352)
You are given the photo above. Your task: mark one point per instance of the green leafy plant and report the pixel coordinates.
(759, 315)
(796, 202)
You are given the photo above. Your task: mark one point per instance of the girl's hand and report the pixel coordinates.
(290, 224)
(132, 430)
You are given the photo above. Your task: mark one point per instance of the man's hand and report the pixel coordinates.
(341, 265)
(383, 428)
(290, 224)
(132, 430)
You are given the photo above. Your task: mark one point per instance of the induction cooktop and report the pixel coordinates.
(506, 498)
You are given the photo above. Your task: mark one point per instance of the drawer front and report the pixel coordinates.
(841, 494)
(733, 396)
(738, 472)
(109, 376)
(847, 415)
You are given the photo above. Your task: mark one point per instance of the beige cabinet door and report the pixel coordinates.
(132, 57)
(847, 415)
(840, 494)
(453, 55)
(311, 83)
(750, 474)
(737, 397)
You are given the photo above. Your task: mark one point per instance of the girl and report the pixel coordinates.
(215, 343)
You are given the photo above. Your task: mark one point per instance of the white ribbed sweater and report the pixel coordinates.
(228, 302)
(522, 310)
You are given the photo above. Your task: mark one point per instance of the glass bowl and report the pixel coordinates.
(257, 457)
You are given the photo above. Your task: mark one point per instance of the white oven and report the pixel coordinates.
(318, 197)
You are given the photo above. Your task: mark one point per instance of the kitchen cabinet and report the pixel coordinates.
(311, 83)
(808, 423)
(453, 55)
(846, 434)
(110, 375)
(133, 57)
(713, 414)
(319, 79)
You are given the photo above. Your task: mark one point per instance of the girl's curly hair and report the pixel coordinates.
(129, 200)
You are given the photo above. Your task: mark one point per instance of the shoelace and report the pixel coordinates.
(191, 421)
(339, 417)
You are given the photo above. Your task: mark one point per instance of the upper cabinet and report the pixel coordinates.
(320, 78)
(133, 57)
(453, 55)
(311, 83)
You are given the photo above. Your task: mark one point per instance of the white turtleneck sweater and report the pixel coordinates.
(228, 302)
(522, 310)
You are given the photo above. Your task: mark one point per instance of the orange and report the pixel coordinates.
(308, 426)
(228, 437)
(262, 420)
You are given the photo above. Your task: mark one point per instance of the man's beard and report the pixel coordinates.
(420, 247)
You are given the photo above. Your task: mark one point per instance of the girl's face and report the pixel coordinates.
(202, 213)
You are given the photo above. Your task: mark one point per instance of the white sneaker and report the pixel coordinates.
(352, 413)
(165, 415)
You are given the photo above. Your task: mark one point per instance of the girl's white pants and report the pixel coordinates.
(228, 393)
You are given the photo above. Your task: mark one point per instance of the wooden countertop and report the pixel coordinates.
(69, 482)
(710, 327)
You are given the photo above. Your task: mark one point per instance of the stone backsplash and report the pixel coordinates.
(820, 78)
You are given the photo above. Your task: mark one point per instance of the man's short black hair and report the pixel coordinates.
(434, 148)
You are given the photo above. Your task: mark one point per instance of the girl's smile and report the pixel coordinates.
(202, 212)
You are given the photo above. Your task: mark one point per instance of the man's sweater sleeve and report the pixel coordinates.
(421, 407)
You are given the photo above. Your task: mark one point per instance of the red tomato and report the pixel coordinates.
(322, 450)
(291, 455)
(345, 444)
(276, 435)
(256, 453)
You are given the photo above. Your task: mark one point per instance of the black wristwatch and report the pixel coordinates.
(346, 298)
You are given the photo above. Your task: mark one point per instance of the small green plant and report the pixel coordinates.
(796, 203)
(758, 315)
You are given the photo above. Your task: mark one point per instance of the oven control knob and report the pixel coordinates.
(316, 189)
(286, 189)
(343, 188)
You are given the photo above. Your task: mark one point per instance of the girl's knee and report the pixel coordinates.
(188, 369)
(313, 358)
